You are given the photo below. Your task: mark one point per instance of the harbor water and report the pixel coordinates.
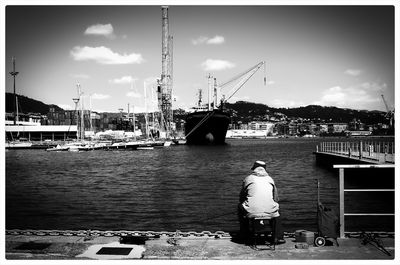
(186, 188)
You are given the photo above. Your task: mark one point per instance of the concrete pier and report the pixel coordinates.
(191, 247)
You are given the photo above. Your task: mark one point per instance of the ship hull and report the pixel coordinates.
(211, 130)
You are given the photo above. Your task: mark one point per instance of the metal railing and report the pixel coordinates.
(342, 191)
(381, 152)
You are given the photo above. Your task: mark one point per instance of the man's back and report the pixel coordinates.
(257, 195)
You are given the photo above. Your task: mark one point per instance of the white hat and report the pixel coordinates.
(259, 164)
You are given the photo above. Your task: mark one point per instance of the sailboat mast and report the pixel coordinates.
(145, 110)
(14, 74)
(80, 123)
(134, 124)
(82, 119)
(90, 113)
(17, 121)
(129, 119)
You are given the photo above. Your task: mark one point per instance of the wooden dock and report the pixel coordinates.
(356, 152)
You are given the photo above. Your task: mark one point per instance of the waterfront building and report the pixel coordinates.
(242, 134)
(335, 128)
(322, 128)
(261, 125)
(30, 127)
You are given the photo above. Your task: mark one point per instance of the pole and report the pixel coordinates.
(145, 109)
(129, 120)
(134, 125)
(14, 74)
(166, 89)
(17, 120)
(90, 113)
(82, 121)
(76, 100)
(215, 93)
(341, 201)
(209, 92)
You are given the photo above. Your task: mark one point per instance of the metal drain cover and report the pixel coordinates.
(114, 251)
(33, 246)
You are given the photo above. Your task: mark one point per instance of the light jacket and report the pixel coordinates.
(259, 196)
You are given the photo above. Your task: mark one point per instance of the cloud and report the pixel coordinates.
(133, 94)
(216, 65)
(286, 103)
(360, 96)
(123, 80)
(100, 96)
(214, 40)
(106, 30)
(104, 55)
(199, 40)
(353, 72)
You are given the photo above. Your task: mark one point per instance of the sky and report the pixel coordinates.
(341, 56)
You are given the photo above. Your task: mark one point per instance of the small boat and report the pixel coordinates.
(86, 148)
(179, 141)
(157, 143)
(58, 148)
(18, 145)
(167, 143)
(145, 148)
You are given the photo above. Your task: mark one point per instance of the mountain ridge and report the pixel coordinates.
(242, 111)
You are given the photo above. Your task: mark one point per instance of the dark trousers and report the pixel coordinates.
(244, 224)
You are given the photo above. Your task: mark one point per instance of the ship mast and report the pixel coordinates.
(165, 84)
(209, 92)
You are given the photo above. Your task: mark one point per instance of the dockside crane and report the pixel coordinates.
(241, 80)
(389, 113)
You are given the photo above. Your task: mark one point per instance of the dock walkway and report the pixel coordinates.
(362, 152)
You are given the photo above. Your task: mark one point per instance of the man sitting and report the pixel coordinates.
(259, 198)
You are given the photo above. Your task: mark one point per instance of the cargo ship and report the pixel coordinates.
(207, 125)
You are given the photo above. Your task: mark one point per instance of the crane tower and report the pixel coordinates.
(165, 84)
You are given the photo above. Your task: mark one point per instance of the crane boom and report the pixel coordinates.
(243, 78)
(386, 105)
(389, 113)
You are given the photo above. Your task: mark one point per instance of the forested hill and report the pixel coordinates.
(246, 111)
(27, 105)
